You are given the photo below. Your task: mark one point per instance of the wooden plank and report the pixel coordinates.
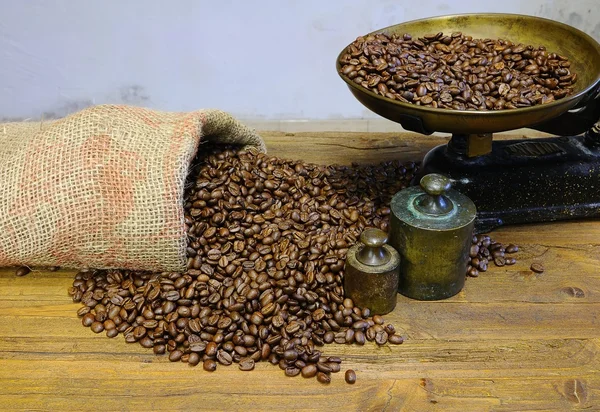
(474, 358)
(242, 391)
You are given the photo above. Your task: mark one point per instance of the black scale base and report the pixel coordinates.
(524, 181)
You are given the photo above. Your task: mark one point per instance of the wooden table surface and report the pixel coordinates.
(511, 340)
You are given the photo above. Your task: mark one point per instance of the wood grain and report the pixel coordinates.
(511, 340)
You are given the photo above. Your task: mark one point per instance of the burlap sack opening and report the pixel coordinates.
(103, 188)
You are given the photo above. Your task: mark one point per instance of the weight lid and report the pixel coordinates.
(373, 253)
(434, 201)
(433, 205)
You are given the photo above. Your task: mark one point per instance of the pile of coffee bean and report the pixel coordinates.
(267, 244)
(485, 250)
(457, 72)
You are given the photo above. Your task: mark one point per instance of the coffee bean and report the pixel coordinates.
(381, 338)
(97, 327)
(109, 324)
(395, 339)
(22, 271)
(88, 319)
(292, 371)
(309, 371)
(487, 250)
(246, 364)
(265, 280)
(520, 75)
(193, 359)
(359, 337)
(111, 333)
(211, 349)
(537, 267)
(82, 311)
(512, 248)
(209, 365)
(360, 324)
(350, 376)
(224, 358)
(323, 378)
(139, 332)
(175, 356)
(323, 367)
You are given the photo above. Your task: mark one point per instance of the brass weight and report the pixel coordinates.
(431, 227)
(371, 272)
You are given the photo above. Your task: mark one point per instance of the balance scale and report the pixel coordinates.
(512, 181)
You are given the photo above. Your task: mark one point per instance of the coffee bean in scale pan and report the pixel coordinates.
(456, 71)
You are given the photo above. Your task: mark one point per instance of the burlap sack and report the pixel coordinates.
(104, 187)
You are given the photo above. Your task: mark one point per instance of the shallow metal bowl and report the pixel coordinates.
(582, 50)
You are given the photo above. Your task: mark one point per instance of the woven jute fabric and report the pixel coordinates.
(103, 188)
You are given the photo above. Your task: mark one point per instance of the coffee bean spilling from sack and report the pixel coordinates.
(457, 72)
(267, 244)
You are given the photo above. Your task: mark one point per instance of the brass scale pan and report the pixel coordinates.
(582, 50)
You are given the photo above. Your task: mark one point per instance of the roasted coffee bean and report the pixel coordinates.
(359, 337)
(97, 327)
(109, 324)
(193, 359)
(537, 267)
(147, 342)
(111, 333)
(323, 378)
(309, 371)
(395, 339)
(211, 349)
(175, 356)
(350, 376)
(82, 311)
(381, 338)
(88, 319)
(246, 364)
(488, 250)
(335, 367)
(22, 271)
(280, 294)
(480, 70)
(139, 332)
(292, 371)
(209, 365)
(224, 358)
(512, 248)
(324, 367)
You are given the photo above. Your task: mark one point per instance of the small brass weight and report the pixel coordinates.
(371, 274)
